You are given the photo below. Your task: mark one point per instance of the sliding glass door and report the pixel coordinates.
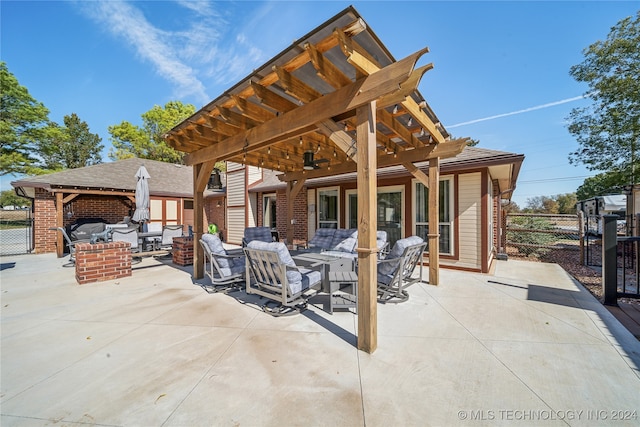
(389, 211)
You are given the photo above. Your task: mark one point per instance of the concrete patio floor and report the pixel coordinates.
(524, 346)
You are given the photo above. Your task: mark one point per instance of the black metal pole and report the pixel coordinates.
(609, 260)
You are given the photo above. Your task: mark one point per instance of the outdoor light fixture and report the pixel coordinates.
(215, 182)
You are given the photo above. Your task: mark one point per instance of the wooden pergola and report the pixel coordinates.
(338, 95)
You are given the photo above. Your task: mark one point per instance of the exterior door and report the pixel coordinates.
(390, 212)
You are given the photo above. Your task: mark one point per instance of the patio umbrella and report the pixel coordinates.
(142, 196)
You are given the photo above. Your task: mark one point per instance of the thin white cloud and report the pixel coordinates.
(526, 110)
(150, 43)
(204, 50)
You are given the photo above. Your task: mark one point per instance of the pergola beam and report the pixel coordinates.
(447, 149)
(361, 92)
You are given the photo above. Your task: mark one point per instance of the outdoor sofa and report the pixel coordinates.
(341, 242)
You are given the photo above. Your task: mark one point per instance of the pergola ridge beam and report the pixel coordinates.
(361, 92)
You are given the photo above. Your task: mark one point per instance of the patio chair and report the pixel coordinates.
(262, 234)
(396, 270)
(224, 269)
(127, 235)
(168, 233)
(273, 274)
(153, 242)
(70, 244)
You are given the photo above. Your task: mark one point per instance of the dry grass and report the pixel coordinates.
(19, 215)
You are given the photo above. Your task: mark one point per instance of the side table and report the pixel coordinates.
(343, 290)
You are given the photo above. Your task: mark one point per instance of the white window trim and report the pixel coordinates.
(321, 190)
(451, 223)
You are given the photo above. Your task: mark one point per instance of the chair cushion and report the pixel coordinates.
(306, 279)
(323, 238)
(278, 247)
(396, 252)
(258, 233)
(344, 240)
(297, 280)
(216, 248)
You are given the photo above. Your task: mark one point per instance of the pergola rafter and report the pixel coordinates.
(339, 94)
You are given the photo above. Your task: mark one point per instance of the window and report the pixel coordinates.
(328, 208)
(269, 211)
(421, 209)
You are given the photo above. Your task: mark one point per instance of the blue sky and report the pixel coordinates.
(501, 69)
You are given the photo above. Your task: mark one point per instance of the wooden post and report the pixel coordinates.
(367, 226)
(198, 215)
(293, 188)
(434, 221)
(290, 225)
(59, 223)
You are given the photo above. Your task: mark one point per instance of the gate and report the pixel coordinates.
(16, 232)
(546, 237)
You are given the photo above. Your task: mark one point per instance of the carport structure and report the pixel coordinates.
(335, 101)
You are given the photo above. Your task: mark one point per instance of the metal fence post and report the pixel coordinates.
(610, 259)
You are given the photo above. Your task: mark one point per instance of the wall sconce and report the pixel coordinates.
(218, 204)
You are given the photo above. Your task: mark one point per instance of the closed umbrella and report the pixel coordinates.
(142, 196)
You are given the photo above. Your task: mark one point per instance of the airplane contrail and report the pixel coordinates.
(526, 110)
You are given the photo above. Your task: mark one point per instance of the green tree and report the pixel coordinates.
(10, 198)
(608, 130)
(601, 185)
(146, 142)
(557, 204)
(22, 123)
(542, 204)
(566, 203)
(70, 146)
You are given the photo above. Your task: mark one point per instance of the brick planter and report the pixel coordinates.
(182, 250)
(102, 261)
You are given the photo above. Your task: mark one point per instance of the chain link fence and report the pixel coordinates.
(16, 229)
(542, 237)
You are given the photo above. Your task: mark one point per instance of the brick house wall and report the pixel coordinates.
(214, 214)
(110, 208)
(299, 213)
(44, 217)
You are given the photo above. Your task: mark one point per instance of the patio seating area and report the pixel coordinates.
(526, 344)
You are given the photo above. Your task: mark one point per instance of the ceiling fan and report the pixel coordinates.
(309, 163)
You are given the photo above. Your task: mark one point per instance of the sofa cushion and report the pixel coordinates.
(344, 240)
(323, 238)
(257, 233)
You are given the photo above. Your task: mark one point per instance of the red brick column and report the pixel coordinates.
(102, 261)
(182, 250)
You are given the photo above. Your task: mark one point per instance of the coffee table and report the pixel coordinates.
(325, 264)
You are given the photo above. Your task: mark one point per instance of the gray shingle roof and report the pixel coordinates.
(166, 179)
(471, 157)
